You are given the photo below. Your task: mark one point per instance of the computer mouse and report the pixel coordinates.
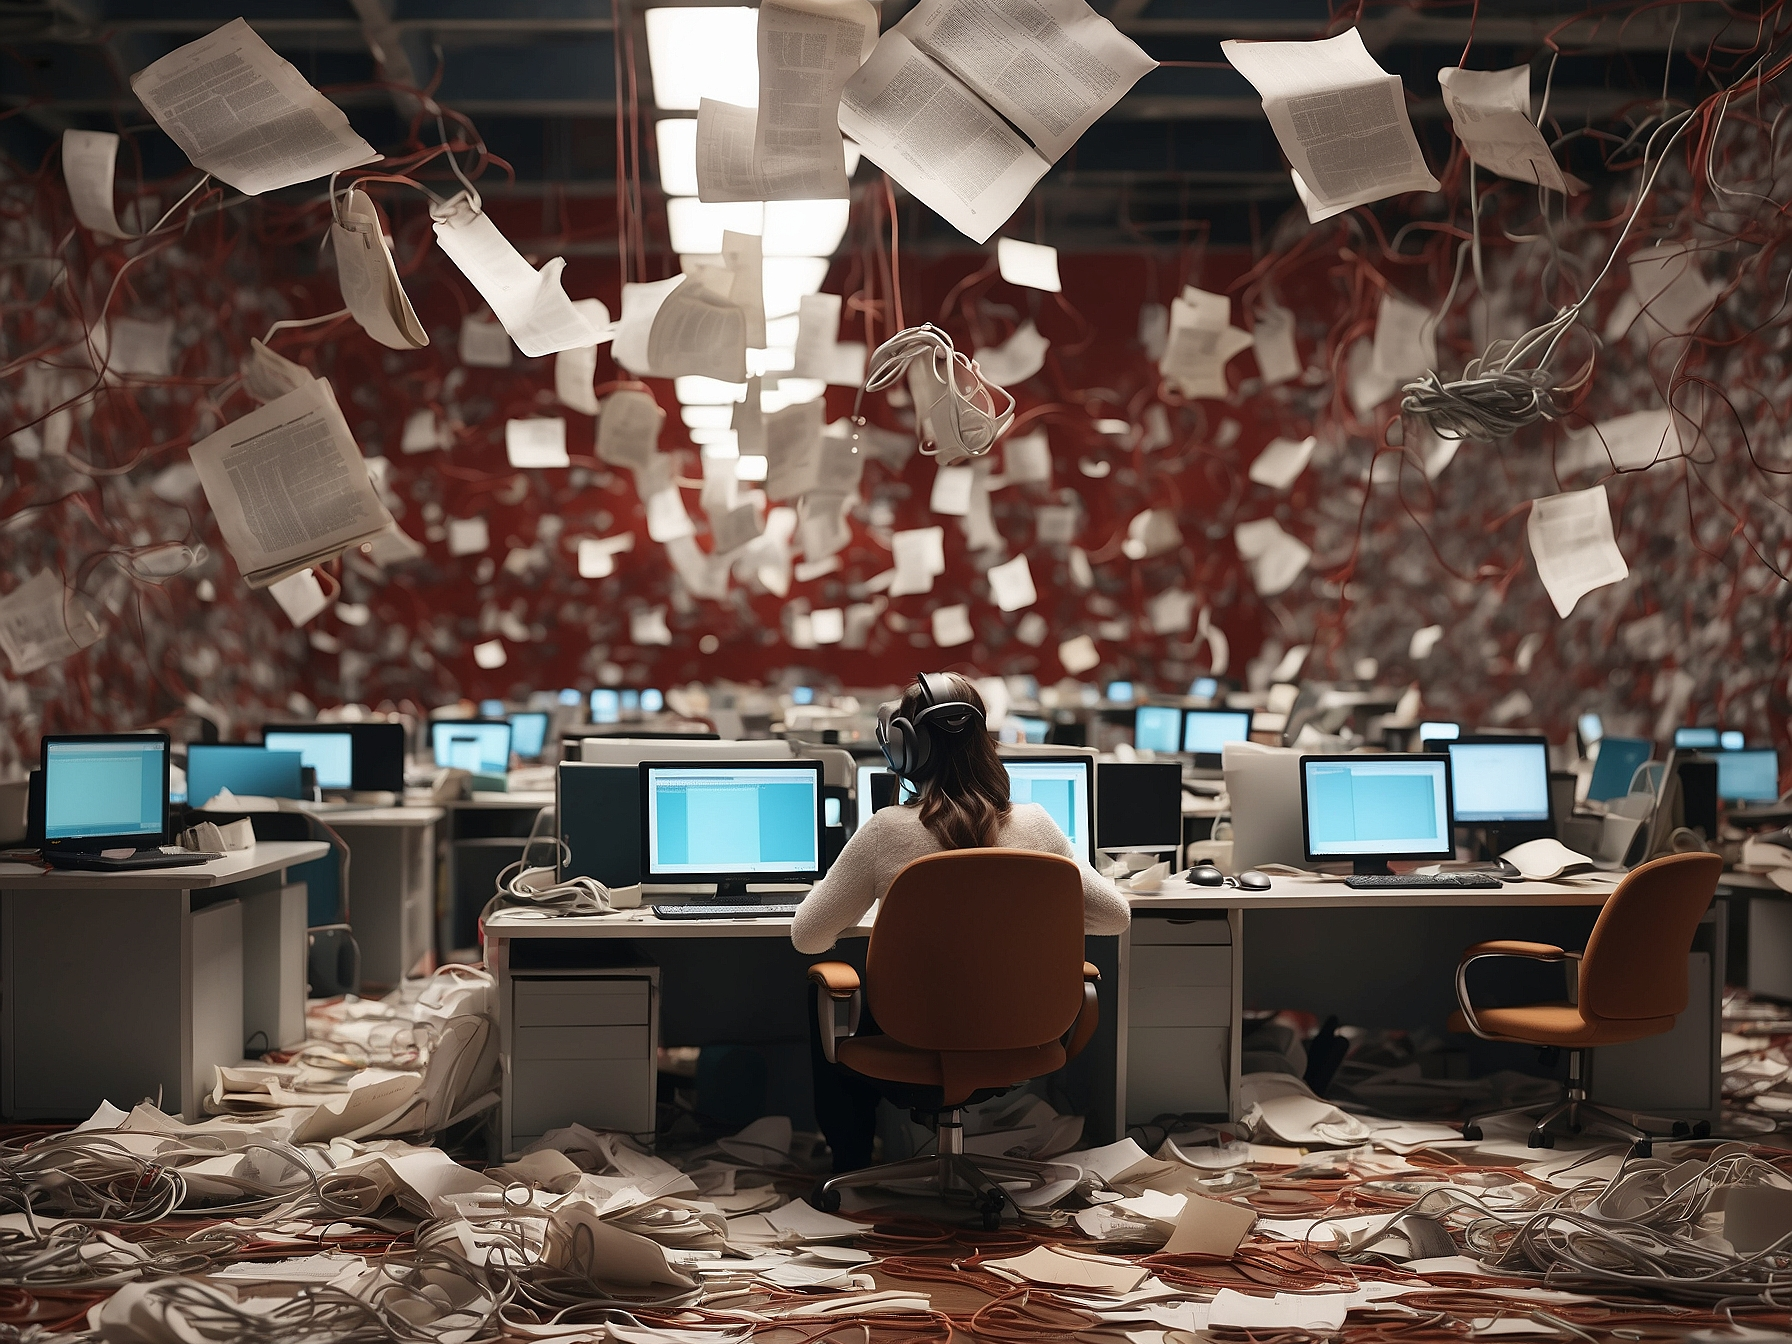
(1252, 880)
(1205, 875)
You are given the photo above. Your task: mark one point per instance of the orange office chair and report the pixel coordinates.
(1632, 985)
(975, 971)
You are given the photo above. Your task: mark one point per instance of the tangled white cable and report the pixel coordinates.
(956, 407)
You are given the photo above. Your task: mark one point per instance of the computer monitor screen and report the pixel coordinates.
(1731, 739)
(1031, 729)
(1616, 763)
(606, 705)
(652, 702)
(331, 755)
(1749, 776)
(1499, 780)
(1592, 728)
(106, 788)
(491, 709)
(570, 697)
(1138, 805)
(868, 780)
(528, 734)
(1157, 728)
(1435, 731)
(802, 695)
(1119, 692)
(1061, 785)
(1367, 808)
(244, 770)
(722, 821)
(631, 702)
(1696, 739)
(471, 744)
(1204, 688)
(1205, 732)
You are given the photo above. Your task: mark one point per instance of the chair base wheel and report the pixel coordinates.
(828, 1201)
(989, 1208)
(1472, 1132)
(1538, 1139)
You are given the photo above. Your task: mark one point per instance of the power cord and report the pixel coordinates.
(522, 887)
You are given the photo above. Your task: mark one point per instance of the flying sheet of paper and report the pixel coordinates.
(952, 626)
(743, 256)
(1201, 343)
(1027, 459)
(268, 376)
(1671, 288)
(575, 369)
(1011, 584)
(952, 491)
(919, 124)
(1076, 656)
(1033, 265)
(300, 596)
(1405, 343)
(1051, 67)
(1276, 559)
(468, 536)
(1627, 442)
(1491, 110)
(649, 627)
(246, 116)
(141, 348)
(822, 530)
(1281, 462)
(1574, 546)
(666, 516)
(484, 344)
(421, 432)
(597, 555)
(1016, 359)
(698, 332)
(1170, 612)
(530, 303)
(371, 289)
(819, 351)
(628, 430)
(539, 441)
(920, 555)
(89, 162)
(288, 485)
(1278, 359)
(640, 305)
(43, 621)
(793, 450)
(1339, 117)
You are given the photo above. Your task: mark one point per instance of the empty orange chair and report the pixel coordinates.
(1632, 985)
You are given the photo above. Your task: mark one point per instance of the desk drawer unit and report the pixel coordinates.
(1179, 1018)
(581, 1051)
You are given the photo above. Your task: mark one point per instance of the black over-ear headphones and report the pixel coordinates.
(906, 747)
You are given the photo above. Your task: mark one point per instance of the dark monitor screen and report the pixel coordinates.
(244, 770)
(1368, 808)
(1749, 776)
(105, 791)
(1138, 805)
(1617, 762)
(528, 734)
(1498, 780)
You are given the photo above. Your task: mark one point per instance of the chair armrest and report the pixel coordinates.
(1090, 971)
(1088, 1016)
(835, 983)
(1500, 947)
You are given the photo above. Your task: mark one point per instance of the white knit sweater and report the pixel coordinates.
(895, 837)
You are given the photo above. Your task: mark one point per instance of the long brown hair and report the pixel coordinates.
(964, 798)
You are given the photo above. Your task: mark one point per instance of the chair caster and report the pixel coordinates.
(1539, 1139)
(989, 1207)
(1472, 1132)
(828, 1201)
(1642, 1148)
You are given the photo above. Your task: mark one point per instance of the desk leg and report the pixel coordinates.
(1235, 1040)
(1770, 946)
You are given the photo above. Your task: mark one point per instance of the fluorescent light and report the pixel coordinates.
(692, 390)
(804, 228)
(677, 140)
(707, 417)
(705, 437)
(697, 226)
(788, 279)
(728, 447)
(751, 467)
(703, 53)
(790, 392)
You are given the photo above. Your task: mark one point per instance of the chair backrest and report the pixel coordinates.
(978, 949)
(1635, 961)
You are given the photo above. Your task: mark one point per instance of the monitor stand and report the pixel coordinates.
(732, 891)
(1370, 868)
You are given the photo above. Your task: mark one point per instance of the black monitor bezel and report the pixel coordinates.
(1501, 740)
(509, 736)
(93, 844)
(1172, 772)
(649, 877)
(1361, 758)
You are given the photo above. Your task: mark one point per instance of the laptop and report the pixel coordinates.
(105, 805)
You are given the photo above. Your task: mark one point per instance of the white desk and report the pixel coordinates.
(391, 889)
(126, 986)
(1177, 972)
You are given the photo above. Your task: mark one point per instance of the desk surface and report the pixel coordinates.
(533, 798)
(406, 815)
(268, 856)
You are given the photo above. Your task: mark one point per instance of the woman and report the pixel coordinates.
(937, 740)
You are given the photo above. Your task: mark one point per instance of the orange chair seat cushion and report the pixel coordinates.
(957, 1072)
(1559, 1024)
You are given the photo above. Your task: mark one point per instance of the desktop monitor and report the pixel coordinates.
(1205, 732)
(1032, 730)
(802, 695)
(1592, 728)
(606, 705)
(1696, 739)
(1370, 809)
(1751, 775)
(1062, 785)
(1616, 765)
(652, 701)
(1157, 728)
(1139, 806)
(491, 709)
(1731, 739)
(876, 788)
(330, 754)
(471, 744)
(1435, 731)
(105, 791)
(631, 701)
(529, 734)
(1204, 688)
(731, 822)
(571, 698)
(1499, 781)
(1119, 693)
(244, 770)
